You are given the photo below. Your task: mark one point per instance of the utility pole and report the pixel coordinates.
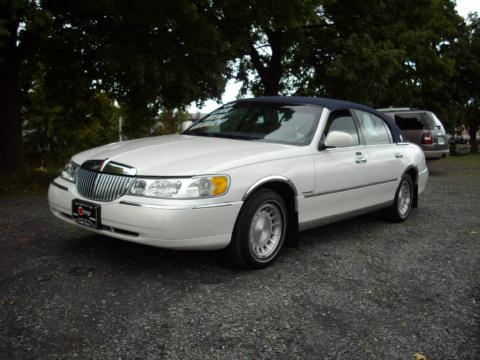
(120, 120)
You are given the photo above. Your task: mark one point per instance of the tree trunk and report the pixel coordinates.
(473, 139)
(270, 72)
(275, 68)
(271, 87)
(12, 156)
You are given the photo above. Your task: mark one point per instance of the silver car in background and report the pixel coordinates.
(423, 128)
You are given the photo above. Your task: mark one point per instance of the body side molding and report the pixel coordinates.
(309, 195)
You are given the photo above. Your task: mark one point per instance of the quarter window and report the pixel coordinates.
(374, 129)
(342, 120)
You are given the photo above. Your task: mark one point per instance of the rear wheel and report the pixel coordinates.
(260, 230)
(404, 196)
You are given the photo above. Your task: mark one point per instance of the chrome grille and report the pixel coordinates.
(99, 186)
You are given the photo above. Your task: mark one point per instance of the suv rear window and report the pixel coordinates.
(416, 121)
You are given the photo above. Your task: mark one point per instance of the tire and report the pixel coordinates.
(260, 230)
(404, 198)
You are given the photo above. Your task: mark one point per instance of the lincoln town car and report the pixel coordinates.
(246, 178)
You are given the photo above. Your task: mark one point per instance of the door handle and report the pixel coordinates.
(398, 155)
(360, 159)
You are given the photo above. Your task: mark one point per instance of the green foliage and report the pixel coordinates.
(264, 36)
(3, 30)
(148, 55)
(467, 88)
(384, 52)
(75, 59)
(380, 53)
(170, 122)
(57, 125)
(357, 73)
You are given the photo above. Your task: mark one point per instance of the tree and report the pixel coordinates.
(376, 52)
(57, 125)
(264, 36)
(170, 122)
(465, 85)
(384, 53)
(147, 55)
(16, 45)
(63, 63)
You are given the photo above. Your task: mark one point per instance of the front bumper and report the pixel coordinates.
(197, 225)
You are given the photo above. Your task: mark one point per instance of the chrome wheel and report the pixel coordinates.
(405, 198)
(266, 230)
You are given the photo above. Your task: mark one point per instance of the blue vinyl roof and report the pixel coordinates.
(331, 104)
(303, 100)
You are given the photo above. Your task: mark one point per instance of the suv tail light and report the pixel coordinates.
(427, 139)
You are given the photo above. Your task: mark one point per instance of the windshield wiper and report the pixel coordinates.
(238, 137)
(199, 134)
(220, 135)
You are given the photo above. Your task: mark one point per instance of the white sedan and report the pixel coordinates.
(245, 178)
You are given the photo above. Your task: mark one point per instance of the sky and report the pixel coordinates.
(231, 90)
(466, 6)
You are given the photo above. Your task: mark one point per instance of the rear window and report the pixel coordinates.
(417, 121)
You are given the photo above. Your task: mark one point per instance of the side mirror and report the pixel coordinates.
(336, 139)
(186, 125)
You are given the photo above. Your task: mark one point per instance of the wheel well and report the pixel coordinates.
(288, 196)
(413, 172)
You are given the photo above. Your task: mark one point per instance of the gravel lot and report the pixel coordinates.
(359, 289)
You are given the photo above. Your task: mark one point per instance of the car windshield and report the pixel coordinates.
(268, 122)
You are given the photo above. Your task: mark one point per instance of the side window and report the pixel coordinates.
(342, 121)
(374, 129)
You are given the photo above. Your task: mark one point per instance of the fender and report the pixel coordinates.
(407, 169)
(267, 179)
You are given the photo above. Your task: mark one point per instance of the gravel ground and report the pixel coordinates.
(358, 289)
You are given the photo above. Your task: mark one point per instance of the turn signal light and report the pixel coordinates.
(220, 185)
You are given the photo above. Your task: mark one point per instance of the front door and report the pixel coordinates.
(342, 175)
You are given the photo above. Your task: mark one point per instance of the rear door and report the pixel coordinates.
(341, 173)
(385, 158)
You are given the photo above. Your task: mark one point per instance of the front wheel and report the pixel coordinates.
(260, 230)
(402, 205)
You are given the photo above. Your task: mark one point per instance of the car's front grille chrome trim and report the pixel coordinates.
(101, 186)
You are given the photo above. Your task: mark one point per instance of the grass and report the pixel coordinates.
(466, 160)
(28, 183)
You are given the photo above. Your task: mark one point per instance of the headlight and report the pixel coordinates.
(69, 171)
(196, 187)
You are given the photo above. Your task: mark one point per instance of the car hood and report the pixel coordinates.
(177, 155)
